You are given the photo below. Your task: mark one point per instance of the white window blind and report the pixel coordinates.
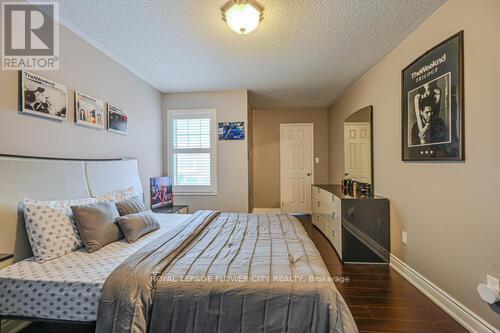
(192, 151)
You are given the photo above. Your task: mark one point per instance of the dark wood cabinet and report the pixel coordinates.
(358, 228)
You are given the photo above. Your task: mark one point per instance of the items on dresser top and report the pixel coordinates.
(177, 209)
(358, 228)
(356, 189)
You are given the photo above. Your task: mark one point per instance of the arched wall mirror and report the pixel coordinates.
(358, 147)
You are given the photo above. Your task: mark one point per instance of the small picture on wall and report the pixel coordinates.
(42, 97)
(433, 104)
(89, 111)
(232, 131)
(117, 119)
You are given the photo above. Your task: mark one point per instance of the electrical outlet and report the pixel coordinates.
(404, 237)
(493, 282)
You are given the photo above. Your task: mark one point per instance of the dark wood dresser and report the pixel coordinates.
(358, 228)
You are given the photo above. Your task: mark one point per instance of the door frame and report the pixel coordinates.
(311, 125)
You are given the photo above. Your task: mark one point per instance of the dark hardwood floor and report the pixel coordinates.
(380, 299)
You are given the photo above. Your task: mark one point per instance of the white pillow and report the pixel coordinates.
(118, 196)
(52, 232)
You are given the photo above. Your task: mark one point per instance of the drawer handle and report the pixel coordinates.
(333, 215)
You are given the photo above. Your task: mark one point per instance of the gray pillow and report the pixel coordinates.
(130, 206)
(137, 225)
(96, 223)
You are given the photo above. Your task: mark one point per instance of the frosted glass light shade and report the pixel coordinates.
(242, 17)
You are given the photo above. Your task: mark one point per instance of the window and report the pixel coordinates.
(192, 151)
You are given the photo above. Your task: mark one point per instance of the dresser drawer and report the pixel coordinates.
(333, 233)
(315, 219)
(319, 223)
(324, 196)
(326, 208)
(315, 192)
(315, 206)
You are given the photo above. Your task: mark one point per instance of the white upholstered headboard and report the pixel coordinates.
(53, 179)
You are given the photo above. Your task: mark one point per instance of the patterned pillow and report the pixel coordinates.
(137, 225)
(51, 230)
(118, 196)
(131, 206)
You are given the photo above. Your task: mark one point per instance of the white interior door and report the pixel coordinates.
(357, 151)
(296, 167)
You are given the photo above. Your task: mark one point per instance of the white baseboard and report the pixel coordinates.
(468, 319)
(13, 326)
(266, 210)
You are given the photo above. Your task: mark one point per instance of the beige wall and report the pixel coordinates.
(232, 160)
(266, 164)
(86, 69)
(450, 210)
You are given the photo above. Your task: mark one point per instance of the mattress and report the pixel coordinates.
(68, 287)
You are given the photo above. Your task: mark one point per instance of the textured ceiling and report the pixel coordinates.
(304, 53)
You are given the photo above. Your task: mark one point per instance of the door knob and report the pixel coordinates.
(309, 174)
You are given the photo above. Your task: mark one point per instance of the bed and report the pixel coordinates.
(204, 272)
(68, 288)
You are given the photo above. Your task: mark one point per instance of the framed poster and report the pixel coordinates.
(42, 97)
(433, 104)
(89, 111)
(117, 119)
(232, 131)
(161, 192)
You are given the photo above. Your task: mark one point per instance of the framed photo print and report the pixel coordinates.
(42, 97)
(433, 104)
(117, 119)
(232, 131)
(89, 111)
(161, 192)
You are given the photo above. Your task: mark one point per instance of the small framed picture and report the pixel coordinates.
(117, 119)
(433, 104)
(42, 97)
(232, 131)
(161, 192)
(89, 111)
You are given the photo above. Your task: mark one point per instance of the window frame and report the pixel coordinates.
(193, 189)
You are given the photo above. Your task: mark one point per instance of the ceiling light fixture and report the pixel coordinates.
(242, 16)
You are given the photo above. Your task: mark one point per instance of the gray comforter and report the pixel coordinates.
(225, 273)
